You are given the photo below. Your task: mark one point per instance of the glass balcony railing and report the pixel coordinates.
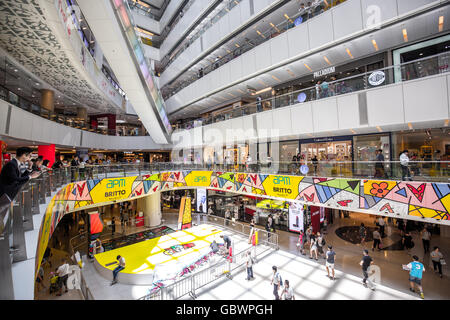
(304, 14)
(421, 68)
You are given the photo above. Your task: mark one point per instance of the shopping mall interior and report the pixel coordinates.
(182, 149)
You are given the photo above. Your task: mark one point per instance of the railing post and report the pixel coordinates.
(28, 215)
(19, 246)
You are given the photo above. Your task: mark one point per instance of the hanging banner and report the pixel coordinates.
(295, 217)
(185, 215)
(95, 222)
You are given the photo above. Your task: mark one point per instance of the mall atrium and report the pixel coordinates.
(224, 150)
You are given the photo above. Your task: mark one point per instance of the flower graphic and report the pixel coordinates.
(379, 190)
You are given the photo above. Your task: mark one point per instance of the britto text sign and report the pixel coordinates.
(115, 184)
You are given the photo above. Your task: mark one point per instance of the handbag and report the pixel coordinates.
(442, 261)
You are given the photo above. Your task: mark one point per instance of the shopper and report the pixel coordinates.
(287, 292)
(362, 233)
(407, 241)
(301, 242)
(119, 268)
(437, 258)
(113, 226)
(381, 225)
(416, 270)
(249, 265)
(276, 281)
(365, 263)
(404, 164)
(379, 164)
(11, 177)
(226, 240)
(40, 279)
(315, 163)
(313, 247)
(320, 243)
(63, 274)
(258, 104)
(376, 240)
(329, 264)
(426, 237)
(252, 230)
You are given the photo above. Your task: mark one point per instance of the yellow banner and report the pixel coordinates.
(198, 179)
(112, 189)
(282, 186)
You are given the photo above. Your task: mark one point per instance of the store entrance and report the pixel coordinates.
(328, 151)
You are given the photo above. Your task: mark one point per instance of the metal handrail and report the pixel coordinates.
(189, 284)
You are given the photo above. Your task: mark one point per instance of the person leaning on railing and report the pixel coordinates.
(16, 173)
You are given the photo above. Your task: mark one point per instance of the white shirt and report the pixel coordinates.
(288, 293)
(381, 221)
(63, 270)
(404, 159)
(122, 261)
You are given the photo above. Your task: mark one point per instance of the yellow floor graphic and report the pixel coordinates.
(171, 252)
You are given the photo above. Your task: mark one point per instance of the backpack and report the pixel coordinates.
(323, 242)
(278, 276)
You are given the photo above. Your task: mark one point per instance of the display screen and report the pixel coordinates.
(201, 200)
(295, 217)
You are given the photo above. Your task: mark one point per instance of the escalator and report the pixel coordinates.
(111, 22)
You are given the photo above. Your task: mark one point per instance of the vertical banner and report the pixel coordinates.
(185, 215)
(201, 200)
(295, 217)
(315, 218)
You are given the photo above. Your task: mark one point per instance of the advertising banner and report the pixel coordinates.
(185, 214)
(201, 200)
(295, 217)
(282, 186)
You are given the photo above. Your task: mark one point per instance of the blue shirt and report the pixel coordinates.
(416, 269)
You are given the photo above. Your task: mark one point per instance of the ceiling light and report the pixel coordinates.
(379, 129)
(349, 53)
(353, 131)
(327, 61)
(375, 45)
(287, 17)
(237, 45)
(405, 35)
(258, 32)
(441, 23)
(410, 126)
(273, 26)
(276, 79)
(262, 91)
(307, 67)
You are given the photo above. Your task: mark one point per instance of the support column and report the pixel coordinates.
(48, 99)
(48, 152)
(82, 114)
(112, 124)
(151, 207)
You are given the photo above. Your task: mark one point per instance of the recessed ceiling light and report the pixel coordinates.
(375, 45)
(327, 61)
(441, 23)
(405, 35)
(307, 67)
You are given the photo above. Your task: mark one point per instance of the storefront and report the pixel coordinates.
(365, 147)
(430, 57)
(350, 70)
(328, 149)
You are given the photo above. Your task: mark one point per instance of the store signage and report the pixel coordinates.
(377, 78)
(304, 169)
(324, 72)
(201, 179)
(282, 179)
(295, 217)
(120, 183)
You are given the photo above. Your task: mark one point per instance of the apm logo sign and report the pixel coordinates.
(282, 180)
(201, 179)
(115, 184)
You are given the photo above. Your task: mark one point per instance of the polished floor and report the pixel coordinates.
(308, 277)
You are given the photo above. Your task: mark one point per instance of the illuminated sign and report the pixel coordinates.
(120, 183)
(377, 78)
(200, 179)
(324, 72)
(282, 179)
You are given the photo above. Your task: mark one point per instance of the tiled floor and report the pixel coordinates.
(308, 277)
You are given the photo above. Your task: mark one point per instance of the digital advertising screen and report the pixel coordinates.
(201, 200)
(295, 217)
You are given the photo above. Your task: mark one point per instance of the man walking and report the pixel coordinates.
(404, 162)
(365, 263)
(330, 256)
(379, 164)
(376, 240)
(381, 224)
(119, 268)
(249, 266)
(276, 281)
(63, 273)
(416, 269)
(426, 237)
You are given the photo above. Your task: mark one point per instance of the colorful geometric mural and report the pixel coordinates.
(397, 198)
